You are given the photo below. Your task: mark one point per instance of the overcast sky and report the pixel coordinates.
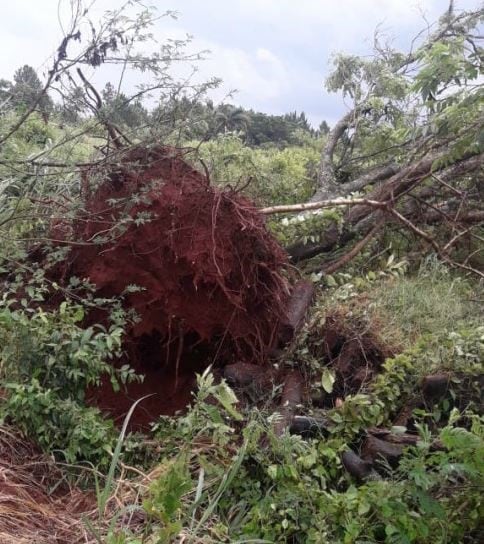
(276, 53)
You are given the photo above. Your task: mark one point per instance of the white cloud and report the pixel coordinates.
(263, 54)
(257, 75)
(274, 52)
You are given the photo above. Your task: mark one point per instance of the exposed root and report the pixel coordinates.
(352, 348)
(211, 277)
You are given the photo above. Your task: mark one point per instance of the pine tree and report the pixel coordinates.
(26, 90)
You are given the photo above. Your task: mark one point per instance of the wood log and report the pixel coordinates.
(320, 399)
(405, 439)
(355, 465)
(435, 386)
(292, 396)
(245, 374)
(299, 303)
(307, 427)
(388, 436)
(405, 414)
(374, 448)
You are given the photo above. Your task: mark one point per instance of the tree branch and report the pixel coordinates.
(292, 208)
(357, 248)
(327, 186)
(360, 218)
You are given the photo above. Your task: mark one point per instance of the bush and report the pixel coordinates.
(47, 362)
(277, 176)
(231, 483)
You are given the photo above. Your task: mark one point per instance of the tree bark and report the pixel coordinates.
(374, 176)
(292, 395)
(327, 185)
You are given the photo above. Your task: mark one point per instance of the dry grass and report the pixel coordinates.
(38, 506)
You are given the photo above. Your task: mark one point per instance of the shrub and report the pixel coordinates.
(230, 483)
(47, 362)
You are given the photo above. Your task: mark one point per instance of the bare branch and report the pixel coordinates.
(357, 248)
(295, 208)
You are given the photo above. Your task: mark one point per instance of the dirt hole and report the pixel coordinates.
(352, 348)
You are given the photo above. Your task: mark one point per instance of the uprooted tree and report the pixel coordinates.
(141, 223)
(122, 245)
(408, 153)
(195, 263)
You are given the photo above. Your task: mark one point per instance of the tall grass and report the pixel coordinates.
(432, 301)
(103, 494)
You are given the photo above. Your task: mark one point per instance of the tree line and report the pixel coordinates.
(210, 119)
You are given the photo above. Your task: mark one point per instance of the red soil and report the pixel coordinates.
(355, 351)
(210, 272)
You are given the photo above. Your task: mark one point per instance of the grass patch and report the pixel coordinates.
(430, 302)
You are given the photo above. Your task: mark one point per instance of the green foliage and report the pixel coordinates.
(420, 503)
(222, 475)
(446, 83)
(285, 176)
(308, 227)
(355, 76)
(52, 142)
(280, 130)
(33, 136)
(48, 360)
(204, 417)
(35, 132)
(446, 63)
(402, 102)
(71, 431)
(455, 352)
(166, 493)
(27, 91)
(121, 110)
(429, 302)
(208, 121)
(406, 304)
(288, 490)
(176, 496)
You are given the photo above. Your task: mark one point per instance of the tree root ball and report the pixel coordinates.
(207, 271)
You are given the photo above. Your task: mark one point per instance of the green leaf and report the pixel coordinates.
(228, 400)
(398, 429)
(327, 380)
(363, 508)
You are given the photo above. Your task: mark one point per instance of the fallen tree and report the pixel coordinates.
(382, 205)
(196, 264)
(202, 259)
(412, 142)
